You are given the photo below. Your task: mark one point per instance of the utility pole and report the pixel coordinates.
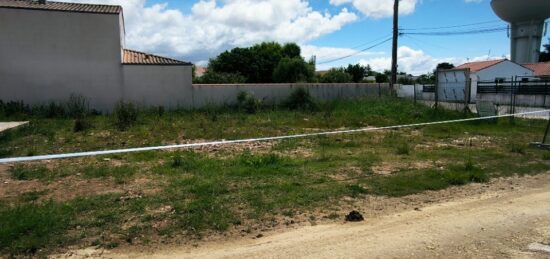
(394, 48)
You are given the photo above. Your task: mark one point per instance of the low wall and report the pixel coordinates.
(520, 100)
(221, 94)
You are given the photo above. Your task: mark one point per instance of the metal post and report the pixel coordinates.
(394, 47)
(546, 132)
(414, 89)
(436, 86)
(511, 111)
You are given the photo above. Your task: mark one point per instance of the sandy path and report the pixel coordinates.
(498, 225)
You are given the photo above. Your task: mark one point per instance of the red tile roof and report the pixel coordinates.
(540, 69)
(58, 6)
(478, 66)
(132, 57)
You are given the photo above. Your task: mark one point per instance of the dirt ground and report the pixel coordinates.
(496, 220)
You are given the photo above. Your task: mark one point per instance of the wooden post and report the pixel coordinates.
(414, 90)
(394, 46)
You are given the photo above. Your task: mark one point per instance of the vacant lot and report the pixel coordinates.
(181, 196)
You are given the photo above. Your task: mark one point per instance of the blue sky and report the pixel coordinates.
(196, 30)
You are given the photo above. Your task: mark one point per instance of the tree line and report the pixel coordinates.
(271, 62)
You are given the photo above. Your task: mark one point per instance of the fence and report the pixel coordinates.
(516, 87)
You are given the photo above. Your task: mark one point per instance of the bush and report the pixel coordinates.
(77, 106)
(293, 70)
(246, 102)
(81, 125)
(125, 114)
(337, 75)
(211, 77)
(300, 99)
(13, 108)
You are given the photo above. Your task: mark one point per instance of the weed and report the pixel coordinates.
(126, 115)
(248, 103)
(26, 173)
(403, 149)
(301, 99)
(77, 106)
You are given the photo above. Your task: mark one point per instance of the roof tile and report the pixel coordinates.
(540, 69)
(478, 66)
(59, 6)
(132, 57)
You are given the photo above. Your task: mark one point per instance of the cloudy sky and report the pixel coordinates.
(196, 30)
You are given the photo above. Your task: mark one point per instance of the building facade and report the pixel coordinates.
(50, 50)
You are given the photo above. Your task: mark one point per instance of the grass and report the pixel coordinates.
(191, 194)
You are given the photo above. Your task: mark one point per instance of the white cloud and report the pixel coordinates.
(214, 26)
(379, 8)
(416, 62)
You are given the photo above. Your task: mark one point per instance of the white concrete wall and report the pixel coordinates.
(168, 86)
(47, 55)
(274, 93)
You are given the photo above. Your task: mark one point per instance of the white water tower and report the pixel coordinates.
(527, 22)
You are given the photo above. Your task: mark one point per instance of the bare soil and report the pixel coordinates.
(500, 219)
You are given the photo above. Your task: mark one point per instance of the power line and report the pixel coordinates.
(356, 53)
(454, 33)
(450, 27)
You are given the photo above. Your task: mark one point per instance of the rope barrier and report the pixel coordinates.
(228, 142)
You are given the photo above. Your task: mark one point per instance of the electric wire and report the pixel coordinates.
(354, 54)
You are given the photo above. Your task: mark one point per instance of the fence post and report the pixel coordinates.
(545, 93)
(436, 86)
(414, 90)
(511, 111)
(379, 91)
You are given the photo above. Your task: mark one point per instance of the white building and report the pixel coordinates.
(493, 70)
(50, 50)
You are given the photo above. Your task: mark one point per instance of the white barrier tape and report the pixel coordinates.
(226, 142)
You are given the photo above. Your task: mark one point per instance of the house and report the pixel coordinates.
(200, 71)
(491, 70)
(50, 50)
(541, 70)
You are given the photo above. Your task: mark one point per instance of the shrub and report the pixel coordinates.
(14, 107)
(403, 149)
(81, 125)
(126, 114)
(300, 99)
(211, 77)
(292, 70)
(77, 106)
(337, 75)
(247, 102)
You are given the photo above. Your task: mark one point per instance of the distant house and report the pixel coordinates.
(501, 69)
(200, 71)
(492, 70)
(541, 70)
(50, 50)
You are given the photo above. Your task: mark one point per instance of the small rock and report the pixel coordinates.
(260, 236)
(354, 216)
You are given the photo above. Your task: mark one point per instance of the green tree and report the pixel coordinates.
(291, 50)
(257, 64)
(211, 77)
(545, 55)
(357, 72)
(292, 70)
(337, 75)
(382, 78)
(445, 65)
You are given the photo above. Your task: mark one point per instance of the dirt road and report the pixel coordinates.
(491, 224)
